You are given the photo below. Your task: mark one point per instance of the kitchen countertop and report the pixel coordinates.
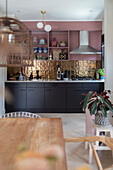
(56, 81)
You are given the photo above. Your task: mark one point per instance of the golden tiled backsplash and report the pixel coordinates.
(48, 69)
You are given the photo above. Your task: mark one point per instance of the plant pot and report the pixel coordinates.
(100, 119)
(102, 77)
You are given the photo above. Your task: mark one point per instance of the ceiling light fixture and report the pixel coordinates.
(42, 24)
(16, 47)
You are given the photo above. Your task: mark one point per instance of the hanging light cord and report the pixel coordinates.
(44, 20)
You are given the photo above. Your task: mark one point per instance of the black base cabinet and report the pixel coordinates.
(74, 97)
(55, 97)
(18, 99)
(49, 97)
(35, 97)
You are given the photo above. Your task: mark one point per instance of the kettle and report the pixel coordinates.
(67, 74)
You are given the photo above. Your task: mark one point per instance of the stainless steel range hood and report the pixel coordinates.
(84, 47)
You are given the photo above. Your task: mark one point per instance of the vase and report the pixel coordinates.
(54, 42)
(100, 119)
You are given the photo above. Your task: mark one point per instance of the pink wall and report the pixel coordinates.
(95, 39)
(75, 25)
(85, 57)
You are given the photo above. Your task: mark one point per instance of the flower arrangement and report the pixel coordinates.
(29, 160)
(98, 101)
(101, 72)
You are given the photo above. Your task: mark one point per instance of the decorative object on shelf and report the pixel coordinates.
(99, 105)
(50, 57)
(45, 50)
(35, 57)
(97, 75)
(54, 42)
(43, 58)
(40, 50)
(62, 44)
(21, 77)
(102, 73)
(38, 77)
(31, 76)
(16, 46)
(34, 40)
(63, 55)
(42, 41)
(35, 50)
(56, 54)
(40, 25)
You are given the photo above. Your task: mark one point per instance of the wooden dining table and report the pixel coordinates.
(36, 134)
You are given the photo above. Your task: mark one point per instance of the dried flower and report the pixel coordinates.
(53, 152)
(32, 164)
(84, 167)
(29, 160)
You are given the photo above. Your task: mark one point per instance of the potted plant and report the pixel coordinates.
(99, 105)
(101, 72)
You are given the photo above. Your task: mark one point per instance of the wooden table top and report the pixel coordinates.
(37, 134)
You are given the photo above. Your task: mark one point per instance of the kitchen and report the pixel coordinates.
(76, 68)
(62, 70)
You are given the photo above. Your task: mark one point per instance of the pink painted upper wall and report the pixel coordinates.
(68, 25)
(72, 39)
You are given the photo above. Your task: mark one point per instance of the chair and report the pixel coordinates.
(94, 129)
(106, 140)
(99, 129)
(20, 114)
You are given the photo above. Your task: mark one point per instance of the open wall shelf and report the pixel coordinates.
(72, 41)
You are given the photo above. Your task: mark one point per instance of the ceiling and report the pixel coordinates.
(66, 10)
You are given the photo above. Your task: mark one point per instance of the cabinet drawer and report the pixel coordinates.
(59, 85)
(36, 84)
(16, 85)
(75, 85)
(91, 86)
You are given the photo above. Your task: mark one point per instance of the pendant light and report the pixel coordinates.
(16, 47)
(42, 24)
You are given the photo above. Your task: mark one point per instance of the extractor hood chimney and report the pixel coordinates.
(84, 47)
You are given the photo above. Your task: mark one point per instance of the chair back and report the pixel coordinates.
(20, 114)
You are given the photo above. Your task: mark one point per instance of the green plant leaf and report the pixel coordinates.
(90, 93)
(94, 107)
(106, 103)
(91, 100)
(103, 110)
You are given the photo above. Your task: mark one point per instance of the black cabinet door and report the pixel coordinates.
(35, 98)
(55, 97)
(74, 97)
(91, 87)
(18, 102)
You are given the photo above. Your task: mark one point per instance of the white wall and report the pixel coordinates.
(109, 45)
(3, 77)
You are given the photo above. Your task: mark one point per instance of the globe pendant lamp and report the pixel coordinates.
(42, 24)
(16, 47)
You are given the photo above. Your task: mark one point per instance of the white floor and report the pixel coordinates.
(73, 126)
